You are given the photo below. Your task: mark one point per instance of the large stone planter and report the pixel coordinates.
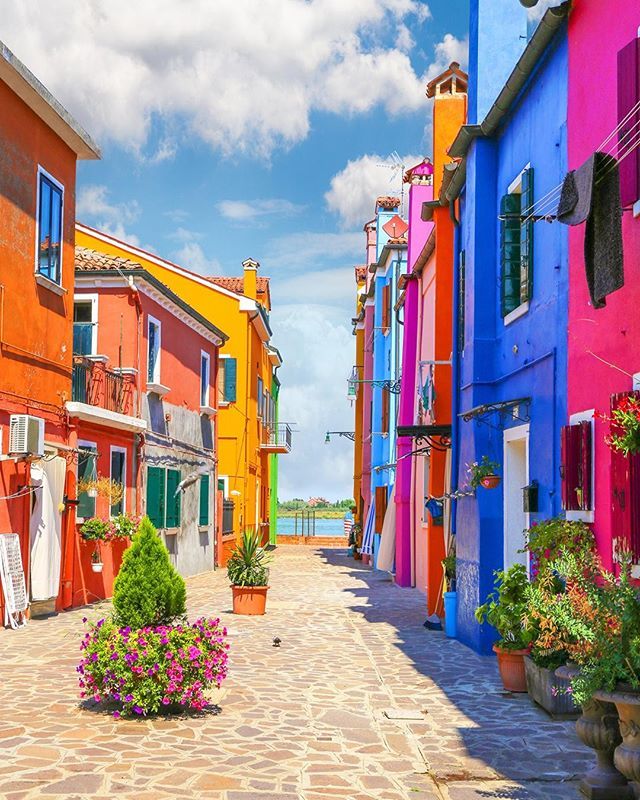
(598, 729)
(548, 691)
(627, 754)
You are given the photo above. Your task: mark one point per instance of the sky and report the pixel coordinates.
(252, 128)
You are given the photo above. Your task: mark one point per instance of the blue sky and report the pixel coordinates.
(236, 129)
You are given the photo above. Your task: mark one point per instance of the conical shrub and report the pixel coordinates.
(148, 589)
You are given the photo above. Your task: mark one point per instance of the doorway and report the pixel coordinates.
(516, 477)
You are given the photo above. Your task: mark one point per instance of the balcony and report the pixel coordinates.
(103, 396)
(277, 438)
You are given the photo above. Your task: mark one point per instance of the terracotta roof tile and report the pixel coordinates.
(388, 202)
(361, 273)
(88, 260)
(453, 70)
(236, 285)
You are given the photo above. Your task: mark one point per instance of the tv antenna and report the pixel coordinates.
(397, 167)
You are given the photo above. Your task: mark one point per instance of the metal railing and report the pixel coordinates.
(104, 389)
(81, 380)
(279, 436)
(113, 391)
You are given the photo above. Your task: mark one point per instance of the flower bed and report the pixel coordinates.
(153, 667)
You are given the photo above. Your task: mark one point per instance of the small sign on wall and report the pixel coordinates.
(12, 577)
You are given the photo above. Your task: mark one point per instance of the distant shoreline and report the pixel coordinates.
(320, 513)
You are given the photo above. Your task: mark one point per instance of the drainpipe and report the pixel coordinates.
(455, 361)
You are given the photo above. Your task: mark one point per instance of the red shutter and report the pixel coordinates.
(634, 511)
(628, 97)
(564, 452)
(571, 467)
(621, 494)
(584, 497)
(381, 507)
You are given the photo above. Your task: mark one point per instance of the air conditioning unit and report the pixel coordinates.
(26, 435)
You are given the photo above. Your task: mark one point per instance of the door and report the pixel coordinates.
(516, 477)
(47, 479)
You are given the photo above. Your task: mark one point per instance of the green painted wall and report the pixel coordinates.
(273, 471)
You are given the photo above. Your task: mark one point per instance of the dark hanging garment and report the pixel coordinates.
(592, 193)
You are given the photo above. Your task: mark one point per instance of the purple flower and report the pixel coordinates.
(138, 710)
(114, 656)
(128, 698)
(116, 714)
(84, 619)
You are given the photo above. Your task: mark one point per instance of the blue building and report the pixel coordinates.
(391, 253)
(511, 292)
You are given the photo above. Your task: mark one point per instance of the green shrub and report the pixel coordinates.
(248, 564)
(94, 529)
(506, 607)
(148, 590)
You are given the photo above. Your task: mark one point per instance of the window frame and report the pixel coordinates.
(118, 449)
(585, 515)
(87, 445)
(516, 187)
(41, 174)
(93, 300)
(157, 365)
(206, 395)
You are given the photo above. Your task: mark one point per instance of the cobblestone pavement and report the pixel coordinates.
(306, 721)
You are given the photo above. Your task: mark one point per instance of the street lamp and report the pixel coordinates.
(347, 435)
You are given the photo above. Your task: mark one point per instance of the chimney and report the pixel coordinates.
(250, 285)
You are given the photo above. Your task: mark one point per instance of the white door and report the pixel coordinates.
(516, 477)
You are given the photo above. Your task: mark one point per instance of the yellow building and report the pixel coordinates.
(247, 428)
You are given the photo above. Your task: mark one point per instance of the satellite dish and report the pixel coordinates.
(529, 3)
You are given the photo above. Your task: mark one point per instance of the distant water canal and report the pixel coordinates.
(324, 527)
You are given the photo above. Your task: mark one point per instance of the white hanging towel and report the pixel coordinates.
(367, 537)
(387, 552)
(46, 527)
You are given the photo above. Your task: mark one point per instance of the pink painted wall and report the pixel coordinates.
(612, 333)
(370, 231)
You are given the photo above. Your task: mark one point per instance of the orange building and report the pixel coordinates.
(39, 146)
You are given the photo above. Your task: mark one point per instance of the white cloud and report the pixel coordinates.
(353, 190)
(241, 75)
(192, 256)
(333, 287)
(318, 349)
(305, 250)
(250, 210)
(94, 206)
(448, 50)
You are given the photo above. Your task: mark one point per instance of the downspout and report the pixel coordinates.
(455, 362)
(246, 423)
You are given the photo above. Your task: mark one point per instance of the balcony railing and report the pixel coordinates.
(96, 386)
(278, 438)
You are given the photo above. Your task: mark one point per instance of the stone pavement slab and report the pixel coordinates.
(303, 721)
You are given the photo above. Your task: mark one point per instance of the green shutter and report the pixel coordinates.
(173, 499)
(204, 500)
(526, 237)
(510, 252)
(156, 496)
(230, 373)
(86, 469)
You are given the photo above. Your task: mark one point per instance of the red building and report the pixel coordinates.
(144, 403)
(39, 147)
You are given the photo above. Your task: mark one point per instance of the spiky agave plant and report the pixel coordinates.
(248, 564)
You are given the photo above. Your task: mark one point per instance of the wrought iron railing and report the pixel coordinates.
(113, 391)
(279, 436)
(104, 389)
(81, 380)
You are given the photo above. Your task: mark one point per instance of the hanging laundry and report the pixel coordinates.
(591, 193)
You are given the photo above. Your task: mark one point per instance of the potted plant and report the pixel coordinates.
(96, 559)
(94, 529)
(450, 595)
(505, 610)
(484, 474)
(248, 572)
(356, 532)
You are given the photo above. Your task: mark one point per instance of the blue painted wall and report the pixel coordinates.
(526, 357)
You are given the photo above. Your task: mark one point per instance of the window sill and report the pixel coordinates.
(518, 312)
(224, 403)
(47, 283)
(208, 411)
(157, 388)
(579, 516)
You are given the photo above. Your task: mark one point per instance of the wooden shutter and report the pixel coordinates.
(628, 97)
(230, 379)
(204, 500)
(386, 308)
(584, 470)
(625, 492)
(510, 253)
(173, 499)
(526, 236)
(156, 496)
(381, 507)
(569, 466)
(385, 411)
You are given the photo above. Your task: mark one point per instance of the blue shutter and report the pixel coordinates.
(510, 253)
(156, 496)
(173, 499)
(204, 500)
(526, 236)
(230, 379)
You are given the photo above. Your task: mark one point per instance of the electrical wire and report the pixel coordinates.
(21, 492)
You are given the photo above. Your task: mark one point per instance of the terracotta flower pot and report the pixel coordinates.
(249, 600)
(511, 667)
(490, 481)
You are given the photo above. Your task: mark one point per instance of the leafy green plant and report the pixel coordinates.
(505, 608)
(625, 426)
(248, 564)
(94, 529)
(148, 590)
(548, 540)
(123, 526)
(478, 471)
(143, 670)
(449, 567)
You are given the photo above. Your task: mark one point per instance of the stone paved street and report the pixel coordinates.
(305, 721)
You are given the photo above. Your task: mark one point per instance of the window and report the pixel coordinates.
(227, 380)
(625, 495)
(260, 398)
(205, 378)
(628, 122)
(86, 471)
(164, 506)
(50, 205)
(118, 474)
(461, 299)
(85, 325)
(386, 308)
(204, 500)
(576, 466)
(516, 245)
(153, 350)
(385, 411)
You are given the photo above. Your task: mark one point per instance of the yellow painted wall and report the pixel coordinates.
(239, 430)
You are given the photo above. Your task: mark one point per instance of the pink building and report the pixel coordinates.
(604, 343)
